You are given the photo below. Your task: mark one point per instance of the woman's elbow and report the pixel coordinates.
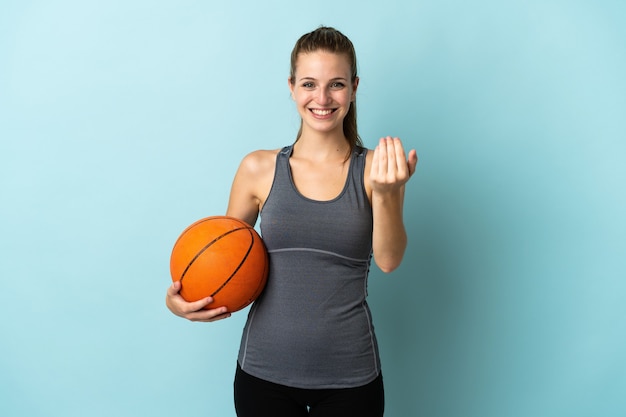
(388, 265)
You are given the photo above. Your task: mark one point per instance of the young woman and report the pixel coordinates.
(326, 205)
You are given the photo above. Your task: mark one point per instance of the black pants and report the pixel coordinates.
(256, 397)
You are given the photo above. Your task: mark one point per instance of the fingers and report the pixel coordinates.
(193, 306)
(412, 161)
(195, 310)
(174, 288)
(374, 169)
(384, 161)
(209, 315)
(399, 160)
(390, 161)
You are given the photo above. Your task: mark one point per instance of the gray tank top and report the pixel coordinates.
(312, 327)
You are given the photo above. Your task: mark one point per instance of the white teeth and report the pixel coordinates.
(321, 112)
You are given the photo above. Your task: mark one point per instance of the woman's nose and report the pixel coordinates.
(323, 97)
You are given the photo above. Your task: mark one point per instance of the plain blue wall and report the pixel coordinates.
(121, 122)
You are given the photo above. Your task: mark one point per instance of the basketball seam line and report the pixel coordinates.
(240, 263)
(209, 245)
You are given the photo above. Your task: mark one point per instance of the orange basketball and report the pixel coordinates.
(221, 257)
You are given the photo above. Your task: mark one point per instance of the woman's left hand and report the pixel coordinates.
(390, 167)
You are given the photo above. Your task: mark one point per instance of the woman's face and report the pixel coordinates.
(322, 90)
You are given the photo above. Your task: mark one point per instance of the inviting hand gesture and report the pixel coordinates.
(390, 168)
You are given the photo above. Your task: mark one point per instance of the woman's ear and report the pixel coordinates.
(355, 85)
(290, 87)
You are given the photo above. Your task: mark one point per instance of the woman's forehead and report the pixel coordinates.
(322, 63)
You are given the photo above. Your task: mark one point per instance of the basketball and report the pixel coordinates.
(221, 257)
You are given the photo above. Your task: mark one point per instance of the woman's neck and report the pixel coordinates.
(321, 149)
(320, 146)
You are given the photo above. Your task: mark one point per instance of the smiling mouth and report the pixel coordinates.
(322, 112)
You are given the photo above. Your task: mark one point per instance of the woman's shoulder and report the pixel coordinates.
(259, 161)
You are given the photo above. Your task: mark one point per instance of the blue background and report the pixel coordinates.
(121, 122)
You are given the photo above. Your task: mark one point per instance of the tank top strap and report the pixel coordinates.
(358, 160)
(282, 172)
(286, 151)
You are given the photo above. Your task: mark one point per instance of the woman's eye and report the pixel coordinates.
(337, 85)
(307, 85)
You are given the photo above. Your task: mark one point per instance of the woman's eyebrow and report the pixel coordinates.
(315, 79)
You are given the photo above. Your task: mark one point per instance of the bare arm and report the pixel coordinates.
(389, 172)
(250, 187)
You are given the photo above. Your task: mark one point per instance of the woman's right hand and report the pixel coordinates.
(193, 311)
